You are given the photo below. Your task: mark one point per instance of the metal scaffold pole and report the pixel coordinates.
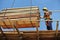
(57, 28)
(57, 24)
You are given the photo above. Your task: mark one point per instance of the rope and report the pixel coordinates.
(13, 4)
(16, 21)
(30, 12)
(36, 23)
(12, 7)
(8, 17)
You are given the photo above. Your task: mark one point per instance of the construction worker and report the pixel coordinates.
(47, 17)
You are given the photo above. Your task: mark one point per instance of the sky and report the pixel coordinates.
(53, 5)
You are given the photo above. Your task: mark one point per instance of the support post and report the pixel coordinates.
(3, 35)
(57, 30)
(37, 30)
(20, 34)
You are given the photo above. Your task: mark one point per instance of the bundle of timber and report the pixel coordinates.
(20, 17)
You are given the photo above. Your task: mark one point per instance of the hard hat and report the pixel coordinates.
(45, 9)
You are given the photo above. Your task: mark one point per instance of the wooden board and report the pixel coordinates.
(20, 23)
(31, 35)
(20, 18)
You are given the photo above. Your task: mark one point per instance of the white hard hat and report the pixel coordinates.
(45, 8)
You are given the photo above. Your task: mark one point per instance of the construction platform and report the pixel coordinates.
(30, 35)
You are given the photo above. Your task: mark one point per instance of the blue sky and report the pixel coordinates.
(50, 4)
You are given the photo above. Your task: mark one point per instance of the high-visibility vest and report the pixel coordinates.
(47, 15)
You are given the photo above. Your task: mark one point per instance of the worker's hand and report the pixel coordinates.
(41, 16)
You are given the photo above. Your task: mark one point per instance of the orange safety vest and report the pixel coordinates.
(47, 15)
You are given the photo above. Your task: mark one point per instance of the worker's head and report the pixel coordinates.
(45, 9)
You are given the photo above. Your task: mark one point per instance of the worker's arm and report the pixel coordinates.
(41, 17)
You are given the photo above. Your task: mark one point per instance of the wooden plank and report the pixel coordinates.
(43, 35)
(20, 23)
(22, 17)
